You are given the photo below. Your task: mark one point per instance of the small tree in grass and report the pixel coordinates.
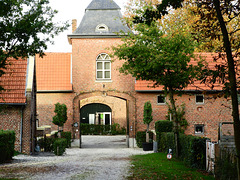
(61, 115)
(147, 117)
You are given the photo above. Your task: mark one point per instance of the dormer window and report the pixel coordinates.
(101, 28)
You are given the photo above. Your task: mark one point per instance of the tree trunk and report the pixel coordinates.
(232, 81)
(147, 133)
(175, 121)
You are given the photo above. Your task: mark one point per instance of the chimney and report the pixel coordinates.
(74, 25)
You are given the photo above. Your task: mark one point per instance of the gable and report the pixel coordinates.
(14, 82)
(53, 72)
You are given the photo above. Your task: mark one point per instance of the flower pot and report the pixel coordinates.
(147, 146)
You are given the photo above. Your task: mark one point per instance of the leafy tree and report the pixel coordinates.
(180, 113)
(164, 58)
(147, 117)
(61, 115)
(214, 23)
(25, 28)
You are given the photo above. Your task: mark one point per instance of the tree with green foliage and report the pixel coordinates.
(25, 28)
(164, 58)
(147, 117)
(61, 115)
(215, 21)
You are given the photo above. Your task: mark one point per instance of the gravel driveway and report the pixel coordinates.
(101, 158)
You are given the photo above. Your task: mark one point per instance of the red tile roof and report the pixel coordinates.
(14, 82)
(53, 72)
(141, 85)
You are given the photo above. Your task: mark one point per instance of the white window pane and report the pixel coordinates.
(99, 74)
(107, 74)
(99, 65)
(107, 65)
(107, 57)
(99, 57)
(91, 118)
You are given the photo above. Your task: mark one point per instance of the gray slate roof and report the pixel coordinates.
(105, 12)
(103, 4)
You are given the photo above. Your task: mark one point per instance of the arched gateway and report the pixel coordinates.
(96, 113)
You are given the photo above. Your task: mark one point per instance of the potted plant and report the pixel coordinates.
(147, 119)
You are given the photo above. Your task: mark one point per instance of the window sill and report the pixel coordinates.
(161, 104)
(103, 80)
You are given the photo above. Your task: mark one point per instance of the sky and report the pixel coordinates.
(70, 9)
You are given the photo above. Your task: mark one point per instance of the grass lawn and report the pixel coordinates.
(157, 166)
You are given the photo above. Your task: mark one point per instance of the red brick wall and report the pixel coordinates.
(46, 106)
(84, 54)
(10, 118)
(209, 114)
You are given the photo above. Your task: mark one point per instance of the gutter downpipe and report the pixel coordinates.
(21, 129)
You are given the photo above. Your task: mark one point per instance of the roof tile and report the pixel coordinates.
(14, 82)
(141, 85)
(53, 72)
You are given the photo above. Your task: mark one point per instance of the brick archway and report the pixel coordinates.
(122, 105)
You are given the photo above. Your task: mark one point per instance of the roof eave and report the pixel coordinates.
(14, 104)
(190, 91)
(80, 36)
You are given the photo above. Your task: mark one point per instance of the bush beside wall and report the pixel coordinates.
(160, 127)
(68, 137)
(93, 129)
(192, 148)
(46, 143)
(7, 140)
(59, 146)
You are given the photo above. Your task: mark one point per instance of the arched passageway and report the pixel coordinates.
(96, 113)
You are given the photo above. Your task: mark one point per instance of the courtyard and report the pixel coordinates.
(101, 157)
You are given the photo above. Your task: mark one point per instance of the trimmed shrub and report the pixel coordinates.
(59, 146)
(160, 127)
(141, 137)
(192, 148)
(93, 129)
(166, 142)
(46, 143)
(68, 137)
(163, 126)
(7, 140)
(117, 130)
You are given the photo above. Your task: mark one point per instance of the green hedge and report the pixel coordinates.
(163, 126)
(68, 137)
(141, 137)
(192, 148)
(93, 129)
(59, 146)
(160, 127)
(7, 140)
(46, 143)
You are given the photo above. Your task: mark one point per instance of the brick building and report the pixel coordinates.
(18, 102)
(89, 83)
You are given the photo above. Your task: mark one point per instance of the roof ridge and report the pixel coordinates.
(102, 5)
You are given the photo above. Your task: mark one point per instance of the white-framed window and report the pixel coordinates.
(199, 129)
(103, 67)
(199, 99)
(161, 99)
